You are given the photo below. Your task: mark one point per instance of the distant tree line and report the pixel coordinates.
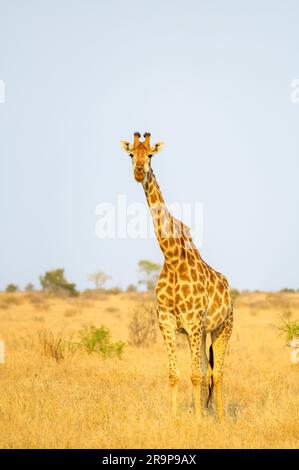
(55, 282)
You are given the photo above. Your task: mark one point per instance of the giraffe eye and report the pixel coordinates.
(131, 155)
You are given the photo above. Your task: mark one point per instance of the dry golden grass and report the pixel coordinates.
(90, 402)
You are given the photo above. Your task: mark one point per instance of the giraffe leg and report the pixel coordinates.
(195, 340)
(169, 338)
(204, 370)
(220, 339)
(209, 378)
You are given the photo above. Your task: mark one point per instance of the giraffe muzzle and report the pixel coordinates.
(139, 174)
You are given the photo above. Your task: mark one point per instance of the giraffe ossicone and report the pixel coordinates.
(190, 295)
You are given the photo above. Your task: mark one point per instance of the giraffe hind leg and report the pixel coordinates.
(204, 370)
(220, 339)
(209, 377)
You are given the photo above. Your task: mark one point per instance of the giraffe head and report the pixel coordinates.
(141, 153)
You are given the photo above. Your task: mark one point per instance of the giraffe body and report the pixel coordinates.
(191, 296)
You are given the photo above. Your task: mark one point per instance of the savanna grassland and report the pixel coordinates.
(54, 394)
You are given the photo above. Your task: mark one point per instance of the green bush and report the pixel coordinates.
(12, 288)
(54, 282)
(98, 340)
(290, 328)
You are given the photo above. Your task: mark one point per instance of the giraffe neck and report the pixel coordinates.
(172, 234)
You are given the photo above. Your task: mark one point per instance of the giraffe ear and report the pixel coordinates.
(157, 147)
(126, 146)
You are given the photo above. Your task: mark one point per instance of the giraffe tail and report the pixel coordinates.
(211, 365)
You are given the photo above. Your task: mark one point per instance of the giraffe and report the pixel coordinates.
(191, 297)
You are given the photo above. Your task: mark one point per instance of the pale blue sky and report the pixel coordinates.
(209, 78)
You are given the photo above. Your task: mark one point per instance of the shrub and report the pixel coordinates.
(92, 294)
(79, 304)
(8, 300)
(54, 282)
(131, 288)
(29, 287)
(12, 288)
(289, 327)
(287, 290)
(114, 290)
(38, 300)
(98, 340)
(55, 346)
(142, 328)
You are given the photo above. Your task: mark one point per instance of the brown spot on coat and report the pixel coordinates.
(169, 290)
(220, 287)
(186, 289)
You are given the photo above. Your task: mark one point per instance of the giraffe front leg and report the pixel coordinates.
(195, 341)
(168, 333)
